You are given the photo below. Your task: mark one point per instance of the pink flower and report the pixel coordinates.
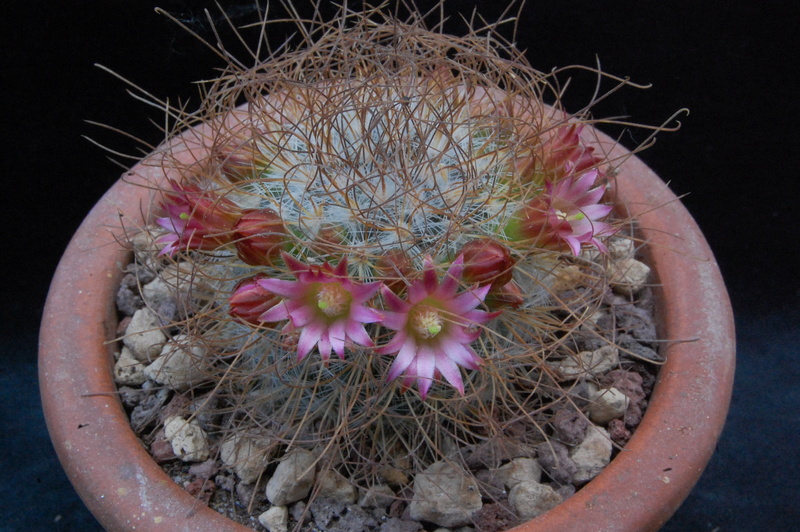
(325, 305)
(435, 326)
(196, 219)
(565, 213)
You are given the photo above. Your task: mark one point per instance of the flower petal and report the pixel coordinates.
(365, 314)
(290, 289)
(452, 279)
(461, 354)
(593, 212)
(300, 314)
(358, 334)
(394, 345)
(324, 345)
(407, 354)
(449, 370)
(277, 313)
(426, 365)
(479, 317)
(309, 337)
(363, 292)
(417, 292)
(394, 320)
(337, 336)
(393, 301)
(469, 300)
(429, 279)
(582, 185)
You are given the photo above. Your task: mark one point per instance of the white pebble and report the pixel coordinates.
(607, 404)
(446, 495)
(587, 363)
(245, 457)
(531, 499)
(592, 454)
(179, 366)
(333, 485)
(519, 470)
(293, 478)
(128, 371)
(144, 336)
(276, 519)
(628, 276)
(188, 440)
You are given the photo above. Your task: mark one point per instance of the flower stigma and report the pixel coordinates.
(427, 323)
(561, 215)
(333, 299)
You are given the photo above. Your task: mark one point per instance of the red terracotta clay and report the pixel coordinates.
(126, 490)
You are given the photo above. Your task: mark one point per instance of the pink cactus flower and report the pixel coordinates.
(565, 213)
(325, 305)
(196, 219)
(435, 326)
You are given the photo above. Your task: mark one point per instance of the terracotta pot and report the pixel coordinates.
(126, 490)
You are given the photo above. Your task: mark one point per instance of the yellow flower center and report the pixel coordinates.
(333, 300)
(575, 217)
(426, 322)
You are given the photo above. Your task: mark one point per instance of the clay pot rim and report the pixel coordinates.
(642, 487)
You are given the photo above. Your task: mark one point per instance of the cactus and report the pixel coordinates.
(399, 198)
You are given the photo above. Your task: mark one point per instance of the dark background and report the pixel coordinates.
(733, 64)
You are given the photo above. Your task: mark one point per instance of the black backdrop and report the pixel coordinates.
(732, 64)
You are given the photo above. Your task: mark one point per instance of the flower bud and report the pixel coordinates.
(260, 236)
(508, 295)
(487, 262)
(395, 270)
(329, 239)
(239, 158)
(249, 300)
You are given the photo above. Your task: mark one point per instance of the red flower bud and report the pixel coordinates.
(329, 239)
(249, 300)
(259, 236)
(240, 157)
(508, 295)
(487, 262)
(395, 270)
